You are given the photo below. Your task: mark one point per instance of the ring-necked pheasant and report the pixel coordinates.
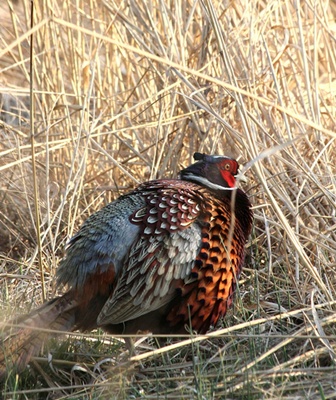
(163, 257)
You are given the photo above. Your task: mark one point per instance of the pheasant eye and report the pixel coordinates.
(227, 166)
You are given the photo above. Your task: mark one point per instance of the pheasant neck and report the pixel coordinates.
(241, 206)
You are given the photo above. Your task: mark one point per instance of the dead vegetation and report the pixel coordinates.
(127, 91)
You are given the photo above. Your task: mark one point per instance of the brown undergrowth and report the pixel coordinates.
(127, 91)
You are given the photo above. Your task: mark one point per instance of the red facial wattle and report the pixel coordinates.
(228, 177)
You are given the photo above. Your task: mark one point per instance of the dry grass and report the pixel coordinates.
(126, 91)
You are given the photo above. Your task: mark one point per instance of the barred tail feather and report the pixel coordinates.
(22, 339)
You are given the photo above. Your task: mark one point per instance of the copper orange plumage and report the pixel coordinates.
(161, 258)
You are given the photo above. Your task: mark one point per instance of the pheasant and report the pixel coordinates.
(161, 258)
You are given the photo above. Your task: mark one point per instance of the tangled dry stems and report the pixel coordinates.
(127, 92)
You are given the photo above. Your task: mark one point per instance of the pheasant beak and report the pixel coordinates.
(240, 177)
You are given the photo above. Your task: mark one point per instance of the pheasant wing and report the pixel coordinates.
(164, 253)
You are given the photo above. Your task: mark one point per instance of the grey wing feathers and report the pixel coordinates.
(150, 249)
(104, 239)
(145, 283)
